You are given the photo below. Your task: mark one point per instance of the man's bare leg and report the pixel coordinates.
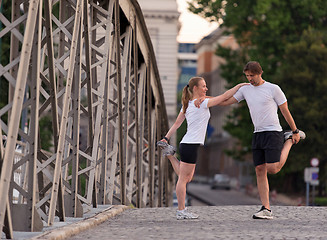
(274, 168)
(263, 185)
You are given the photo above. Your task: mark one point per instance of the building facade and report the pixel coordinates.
(162, 22)
(212, 156)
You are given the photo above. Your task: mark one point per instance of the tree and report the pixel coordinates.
(264, 27)
(239, 123)
(303, 76)
(277, 34)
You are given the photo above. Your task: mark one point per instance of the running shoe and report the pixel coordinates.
(169, 150)
(162, 144)
(263, 213)
(185, 214)
(289, 134)
(166, 149)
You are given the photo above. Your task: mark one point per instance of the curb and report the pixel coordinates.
(203, 200)
(77, 227)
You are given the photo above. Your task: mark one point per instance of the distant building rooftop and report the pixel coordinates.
(211, 38)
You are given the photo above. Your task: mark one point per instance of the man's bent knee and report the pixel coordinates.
(261, 170)
(273, 168)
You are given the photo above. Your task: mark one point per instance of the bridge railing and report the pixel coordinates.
(85, 71)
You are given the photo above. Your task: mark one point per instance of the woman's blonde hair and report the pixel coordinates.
(188, 91)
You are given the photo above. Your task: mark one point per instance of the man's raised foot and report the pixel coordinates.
(289, 134)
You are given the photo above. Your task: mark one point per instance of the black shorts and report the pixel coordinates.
(188, 152)
(267, 147)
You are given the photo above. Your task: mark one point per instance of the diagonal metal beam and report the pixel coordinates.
(64, 118)
(124, 110)
(120, 105)
(53, 87)
(7, 229)
(6, 170)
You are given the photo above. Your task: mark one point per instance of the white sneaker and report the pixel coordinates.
(185, 214)
(263, 213)
(166, 149)
(289, 134)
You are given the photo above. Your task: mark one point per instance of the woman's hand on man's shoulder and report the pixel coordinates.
(198, 101)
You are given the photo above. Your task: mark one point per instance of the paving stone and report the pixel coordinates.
(215, 222)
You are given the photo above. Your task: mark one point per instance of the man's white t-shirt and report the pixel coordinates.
(197, 122)
(263, 102)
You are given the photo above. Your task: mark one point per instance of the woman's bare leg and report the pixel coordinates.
(186, 172)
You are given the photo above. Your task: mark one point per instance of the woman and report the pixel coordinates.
(197, 122)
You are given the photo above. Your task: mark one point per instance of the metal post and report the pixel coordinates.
(52, 78)
(307, 193)
(89, 75)
(313, 195)
(149, 108)
(105, 118)
(120, 106)
(141, 102)
(34, 128)
(76, 108)
(17, 105)
(14, 49)
(160, 167)
(7, 229)
(64, 119)
(122, 84)
(137, 130)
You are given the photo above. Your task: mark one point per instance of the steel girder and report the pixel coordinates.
(88, 70)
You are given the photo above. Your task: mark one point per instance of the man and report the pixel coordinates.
(270, 145)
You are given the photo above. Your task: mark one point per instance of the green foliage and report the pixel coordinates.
(46, 132)
(321, 201)
(303, 76)
(211, 10)
(288, 38)
(265, 27)
(82, 178)
(239, 123)
(5, 9)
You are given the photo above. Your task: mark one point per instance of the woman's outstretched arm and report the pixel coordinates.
(219, 100)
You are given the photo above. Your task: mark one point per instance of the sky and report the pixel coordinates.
(194, 27)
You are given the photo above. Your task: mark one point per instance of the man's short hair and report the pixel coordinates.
(253, 67)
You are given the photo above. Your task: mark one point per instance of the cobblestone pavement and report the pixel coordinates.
(215, 222)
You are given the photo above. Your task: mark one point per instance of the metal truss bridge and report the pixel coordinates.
(86, 70)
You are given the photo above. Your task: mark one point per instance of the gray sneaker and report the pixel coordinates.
(162, 144)
(166, 149)
(263, 213)
(289, 134)
(169, 150)
(185, 214)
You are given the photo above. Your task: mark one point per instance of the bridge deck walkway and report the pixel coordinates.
(215, 222)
